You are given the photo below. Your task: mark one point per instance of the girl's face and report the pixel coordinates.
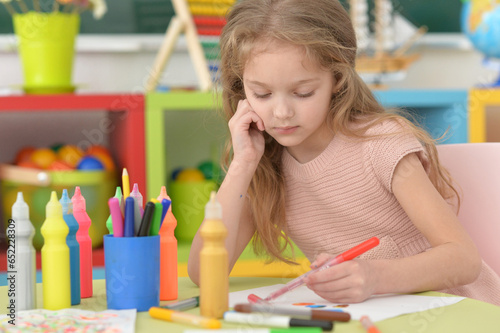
(292, 95)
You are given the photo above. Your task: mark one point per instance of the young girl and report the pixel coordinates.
(316, 160)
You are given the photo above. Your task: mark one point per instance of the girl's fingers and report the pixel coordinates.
(333, 273)
(326, 288)
(245, 115)
(320, 260)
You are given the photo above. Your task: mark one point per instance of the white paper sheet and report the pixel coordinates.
(72, 320)
(377, 307)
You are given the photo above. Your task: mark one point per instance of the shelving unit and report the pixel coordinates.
(126, 129)
(157, 105)
(480, 101)
(438, 111)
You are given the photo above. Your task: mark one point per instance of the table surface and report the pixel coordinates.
(466, 316)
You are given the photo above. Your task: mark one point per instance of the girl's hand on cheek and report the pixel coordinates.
(246, 132)
(348, 282)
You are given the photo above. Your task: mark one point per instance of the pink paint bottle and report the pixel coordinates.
(83, 238)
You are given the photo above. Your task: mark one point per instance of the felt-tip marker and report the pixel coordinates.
(146, 219)
(297, 312)
(347, 255)
(183, 318)
(116, 217)
(274, 321)
(128, 229)
(185, 304)
(368, 325)
(261, 330)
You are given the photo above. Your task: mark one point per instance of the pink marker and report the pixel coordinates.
(116, 216)
(83, 238)
(347, 255)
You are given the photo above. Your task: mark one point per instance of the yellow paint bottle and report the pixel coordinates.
(55, 258)
(214, 279)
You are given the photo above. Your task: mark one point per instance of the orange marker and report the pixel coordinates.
(83, 238)
(168, 258)
(368, 325)
(214, 280)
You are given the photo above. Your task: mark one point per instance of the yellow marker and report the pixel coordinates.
(214, 280)
(125, 184)
(55, 258)
(184, 318)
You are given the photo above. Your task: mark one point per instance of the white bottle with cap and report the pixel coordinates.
(25, 257)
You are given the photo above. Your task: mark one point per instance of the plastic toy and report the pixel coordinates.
(90, 163)
(190, 175)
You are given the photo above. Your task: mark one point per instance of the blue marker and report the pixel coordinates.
(129, 217)
(74, 247)
(166, 205)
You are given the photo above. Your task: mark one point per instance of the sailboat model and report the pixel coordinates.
(382, 57)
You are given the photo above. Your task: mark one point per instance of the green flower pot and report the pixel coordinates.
(46, 47)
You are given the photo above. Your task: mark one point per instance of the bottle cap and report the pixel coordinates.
(20, 209)
(213, 209)
(67, 205)
(78, 200)
(54, 207)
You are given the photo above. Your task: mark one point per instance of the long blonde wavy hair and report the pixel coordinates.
(323, 28)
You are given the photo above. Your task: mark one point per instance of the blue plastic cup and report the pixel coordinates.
(132, 268)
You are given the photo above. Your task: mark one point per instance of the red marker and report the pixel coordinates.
(347, 255)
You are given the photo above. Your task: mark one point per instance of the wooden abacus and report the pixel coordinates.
(201, 21)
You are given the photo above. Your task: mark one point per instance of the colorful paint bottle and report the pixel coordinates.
(168, 259)
(83, 238)
(214, 280)
(109, 221)
(74, 247)
(55, 258)
(25, 260)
